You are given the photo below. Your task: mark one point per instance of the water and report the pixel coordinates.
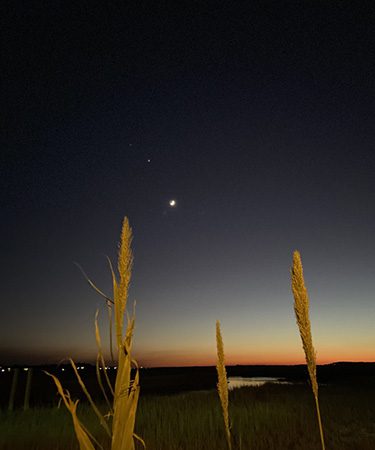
(236, 382)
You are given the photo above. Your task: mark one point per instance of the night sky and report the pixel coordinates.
(256, 117)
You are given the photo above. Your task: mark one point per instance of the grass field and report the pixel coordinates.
(263, 418)
(269, 417)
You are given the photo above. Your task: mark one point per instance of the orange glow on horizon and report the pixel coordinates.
(245, 360)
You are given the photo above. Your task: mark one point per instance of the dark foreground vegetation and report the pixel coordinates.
(263, 418)
(167, 380)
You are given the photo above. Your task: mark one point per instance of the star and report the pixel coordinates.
(172, 203)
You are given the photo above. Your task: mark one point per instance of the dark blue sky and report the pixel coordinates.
(258, 119)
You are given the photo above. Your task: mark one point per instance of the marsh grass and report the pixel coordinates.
(271, 417)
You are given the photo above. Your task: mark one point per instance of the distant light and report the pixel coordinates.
(82, 367)
(9, 369)
(25, 369)
(172, 203)
(115, 367)
(62, 369)
(3, 370)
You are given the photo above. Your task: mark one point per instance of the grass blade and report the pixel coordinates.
(83, 436)
(100, 359)
(108, 299)
(100, 416)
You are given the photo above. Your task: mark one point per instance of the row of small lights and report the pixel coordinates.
(78, 368)
(9, 369)
(106, 368)
(63, 369)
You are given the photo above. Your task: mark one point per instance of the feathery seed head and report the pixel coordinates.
(124, 265)
(301, 309)
(222, 385)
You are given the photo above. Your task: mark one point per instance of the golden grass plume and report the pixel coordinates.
(222, 385)
(119, 422)
(301, 309)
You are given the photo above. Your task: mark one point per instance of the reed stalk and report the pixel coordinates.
(301, 309)
(222, 384)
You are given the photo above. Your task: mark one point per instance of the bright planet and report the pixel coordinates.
(172, 203)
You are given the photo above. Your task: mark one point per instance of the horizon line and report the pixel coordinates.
(183, 366)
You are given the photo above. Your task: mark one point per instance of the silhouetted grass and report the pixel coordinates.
(265, 418)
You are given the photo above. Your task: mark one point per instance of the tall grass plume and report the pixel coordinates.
(119, 422)
(301, 309)
(222, 384)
